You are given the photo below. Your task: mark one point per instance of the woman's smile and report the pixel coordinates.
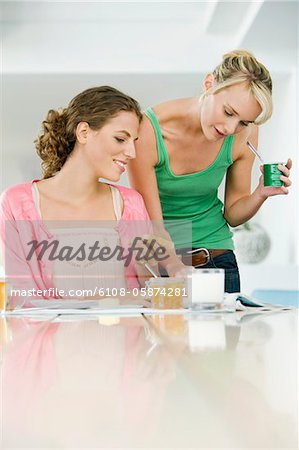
(218, 133)
(120, 164)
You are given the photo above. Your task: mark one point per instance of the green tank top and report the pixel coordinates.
(193, 198)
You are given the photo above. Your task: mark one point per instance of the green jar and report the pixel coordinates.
(272, 175)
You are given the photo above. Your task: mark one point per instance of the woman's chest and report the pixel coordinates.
(89, 211)
(188, 154)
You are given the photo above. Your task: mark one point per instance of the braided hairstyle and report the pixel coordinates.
(58, 134)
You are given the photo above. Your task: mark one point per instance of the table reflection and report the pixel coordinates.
(160, 381)
(77, 381)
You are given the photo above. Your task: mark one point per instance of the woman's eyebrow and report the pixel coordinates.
(234, 111)
(124, 131)
(237, 114)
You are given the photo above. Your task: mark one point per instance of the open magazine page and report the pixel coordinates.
(242, 302)
(246, 303)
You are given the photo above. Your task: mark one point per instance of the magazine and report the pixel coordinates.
(245, 302)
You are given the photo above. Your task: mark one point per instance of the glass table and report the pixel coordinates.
(150, 381)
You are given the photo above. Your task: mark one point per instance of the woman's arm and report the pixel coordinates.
(143, 178)
(141, 170)
(239, 204)
(21, 273)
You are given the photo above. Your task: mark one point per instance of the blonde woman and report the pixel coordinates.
(187, 146)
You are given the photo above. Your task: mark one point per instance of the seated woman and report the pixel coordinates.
(54, 229)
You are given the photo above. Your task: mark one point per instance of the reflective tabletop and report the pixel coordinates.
(150, 381)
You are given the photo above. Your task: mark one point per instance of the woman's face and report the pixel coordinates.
(228, 112)
(109, 148)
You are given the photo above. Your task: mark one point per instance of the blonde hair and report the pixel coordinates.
(241, 66)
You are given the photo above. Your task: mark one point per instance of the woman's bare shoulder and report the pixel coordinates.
(172, 109)
(240, 148)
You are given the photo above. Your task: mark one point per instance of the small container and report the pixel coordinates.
(207, 289)
(272, 175)
(3, 295)
(166, 292)
(9, 302)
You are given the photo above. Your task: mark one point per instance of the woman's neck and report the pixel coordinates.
(76, 181)
(194, 114)
(182, 113)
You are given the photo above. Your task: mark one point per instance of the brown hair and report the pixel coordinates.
(95, 106)
(241, 66)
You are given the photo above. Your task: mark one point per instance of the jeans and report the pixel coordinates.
(228, 262)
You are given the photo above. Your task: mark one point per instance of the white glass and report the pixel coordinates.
(207, 288)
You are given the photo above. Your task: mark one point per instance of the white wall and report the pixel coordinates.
(265, 275)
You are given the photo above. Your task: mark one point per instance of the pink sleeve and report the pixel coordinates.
(14, 234)
(135, 223)
(16, 266)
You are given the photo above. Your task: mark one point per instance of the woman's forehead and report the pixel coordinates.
(241, 100)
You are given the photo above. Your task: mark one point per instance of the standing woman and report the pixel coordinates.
(185, 148)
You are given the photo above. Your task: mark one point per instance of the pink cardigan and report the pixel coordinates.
(21, 223)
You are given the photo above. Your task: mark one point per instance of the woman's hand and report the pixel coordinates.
(270, 191)
(151, 244)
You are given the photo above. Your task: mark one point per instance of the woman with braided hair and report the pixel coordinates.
(54, 229)
(186, 147)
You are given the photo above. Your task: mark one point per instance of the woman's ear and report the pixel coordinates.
(208, 82)
(82, 132)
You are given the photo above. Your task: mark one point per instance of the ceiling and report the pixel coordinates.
(144, 37)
